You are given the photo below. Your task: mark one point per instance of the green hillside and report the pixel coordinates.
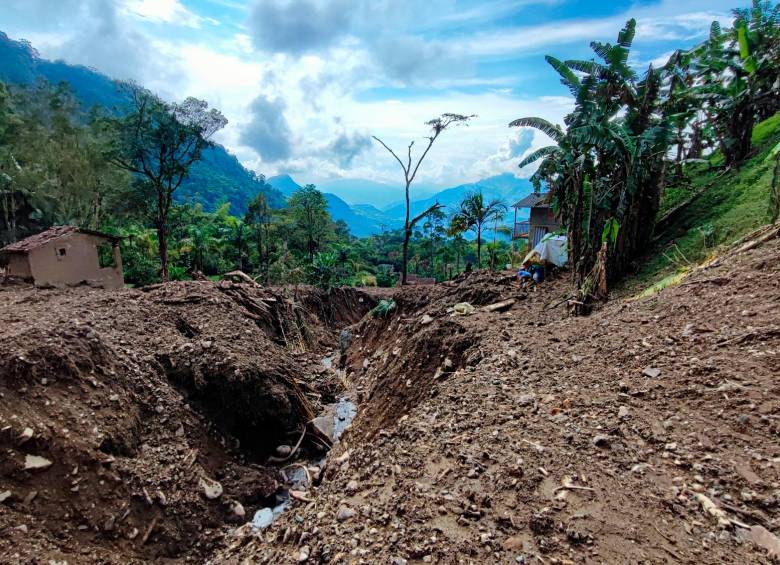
(720, 209)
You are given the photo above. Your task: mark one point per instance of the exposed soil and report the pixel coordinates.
(646, 432)
(137, 401)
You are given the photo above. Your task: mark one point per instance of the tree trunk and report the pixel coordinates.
(407, 236)
(162, 244)
(479, 247)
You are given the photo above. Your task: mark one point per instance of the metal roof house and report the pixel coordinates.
(66, 256)
(541, 219)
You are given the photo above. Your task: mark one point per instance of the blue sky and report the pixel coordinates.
(305, 83)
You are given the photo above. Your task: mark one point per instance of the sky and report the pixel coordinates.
(305, 84)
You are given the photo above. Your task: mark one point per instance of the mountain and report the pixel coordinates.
(360, 224)
(362, 191)
(506, 186)
(284, 184)
(218, 178)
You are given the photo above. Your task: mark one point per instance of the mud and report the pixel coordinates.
(648, 431)
(134, 398)
(549, 439)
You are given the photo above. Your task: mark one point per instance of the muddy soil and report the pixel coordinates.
(136, 424)
(646, 432)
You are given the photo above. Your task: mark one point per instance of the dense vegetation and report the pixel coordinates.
(628, 137)
(59, 165)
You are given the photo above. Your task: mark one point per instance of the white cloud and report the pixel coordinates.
(166, 11)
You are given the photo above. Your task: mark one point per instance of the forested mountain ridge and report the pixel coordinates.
(218, 178)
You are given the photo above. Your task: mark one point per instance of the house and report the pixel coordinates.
(66, 255)
(541, 220)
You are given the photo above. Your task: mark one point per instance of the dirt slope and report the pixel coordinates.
(119, 409)
(639, 434)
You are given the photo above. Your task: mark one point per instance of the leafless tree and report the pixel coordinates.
(437, 125)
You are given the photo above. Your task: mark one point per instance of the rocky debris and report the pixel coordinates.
(114, 404)
(344, 513)
(36, 462)
(211, 489)
(498, 462)
(652, 372)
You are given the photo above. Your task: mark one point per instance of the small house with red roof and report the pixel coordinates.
(66, 256)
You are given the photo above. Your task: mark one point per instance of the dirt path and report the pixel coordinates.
(647, 432)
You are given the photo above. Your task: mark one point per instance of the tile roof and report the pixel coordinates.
(38, 240)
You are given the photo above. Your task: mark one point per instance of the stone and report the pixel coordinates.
(303, 554)
(263, 518)
(426, 319)
(26, 435)
(211, 489)
(36, 462)
(623, 412)
(344, 513)
(5, 495)
(526, 399)
(283, 450)
(238, 509)
(652, 372)
(352, 486)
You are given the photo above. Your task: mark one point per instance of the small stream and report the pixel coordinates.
(334, 420)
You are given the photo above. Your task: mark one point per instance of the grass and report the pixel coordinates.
(732, 205)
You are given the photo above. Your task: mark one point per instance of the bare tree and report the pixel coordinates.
(437, 125)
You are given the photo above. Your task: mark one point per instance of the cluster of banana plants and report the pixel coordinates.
(606, 170)
(629, 133)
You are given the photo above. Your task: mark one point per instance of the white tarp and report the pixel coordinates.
(553, 248)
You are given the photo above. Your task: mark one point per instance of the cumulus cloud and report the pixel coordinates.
(298, 26)
(268, 132)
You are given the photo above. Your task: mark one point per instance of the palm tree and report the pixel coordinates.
(475, 214)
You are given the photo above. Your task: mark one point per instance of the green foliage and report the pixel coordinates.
(384, 309)
(728, 207)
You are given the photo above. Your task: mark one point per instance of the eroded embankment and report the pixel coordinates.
(646, 432)
(135, 424)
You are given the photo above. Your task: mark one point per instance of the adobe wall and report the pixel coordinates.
(18, 265)
(73, 259)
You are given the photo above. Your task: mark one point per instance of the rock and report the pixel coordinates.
(513, 543)
(238, 509)
(623, 412)
(283, 450)
(352, 486)
(601, 440)
(211, 489)
(426, 319)
(36, 462)
(526, 399)
(263, 518)
(303, 555)
(345, 339)
(344, 513)
(5, 495)
(26, 435)
(651, 372)
(463, 309)
(343, 458)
